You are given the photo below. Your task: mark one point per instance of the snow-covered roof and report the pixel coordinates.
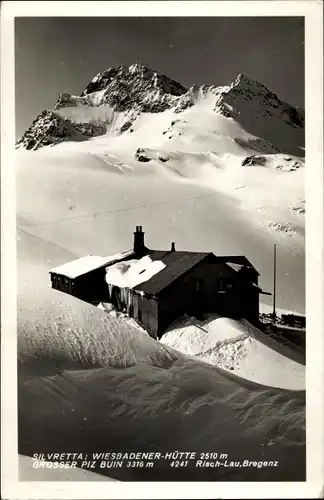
(133, 272)
(236, 267)
(240, 260)
(88, 263)
(154, 272)
(176, 264)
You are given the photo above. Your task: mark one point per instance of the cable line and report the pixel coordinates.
(115, 210)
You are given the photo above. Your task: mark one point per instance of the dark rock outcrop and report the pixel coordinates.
(253, 160)
(50, 128)
(141, 155)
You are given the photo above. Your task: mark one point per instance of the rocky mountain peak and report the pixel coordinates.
(246, 97)
(50, 128)
(135, 86)
(244, 84)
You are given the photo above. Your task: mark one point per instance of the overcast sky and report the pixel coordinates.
(56, 55)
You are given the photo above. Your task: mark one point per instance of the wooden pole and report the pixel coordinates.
(274, 281)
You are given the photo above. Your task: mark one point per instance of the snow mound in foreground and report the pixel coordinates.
(239, 347)
(89, 382)
(71, 334)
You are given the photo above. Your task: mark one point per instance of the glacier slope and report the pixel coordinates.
(98, 190)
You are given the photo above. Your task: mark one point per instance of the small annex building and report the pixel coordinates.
(156, 287)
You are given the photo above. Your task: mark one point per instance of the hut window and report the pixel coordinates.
(140, 316)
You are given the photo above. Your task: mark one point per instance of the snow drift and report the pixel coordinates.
(90, 383)
(241, 348)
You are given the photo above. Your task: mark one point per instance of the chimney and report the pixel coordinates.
(139, 246)
(172, 246)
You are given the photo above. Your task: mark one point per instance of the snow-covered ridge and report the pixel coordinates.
(249, 90)
(263, 114)
(128, 92)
